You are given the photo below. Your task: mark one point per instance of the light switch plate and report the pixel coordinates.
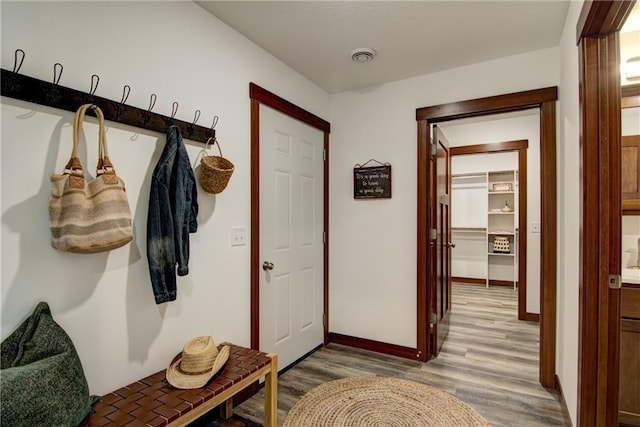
(535, 227)
(238, 236)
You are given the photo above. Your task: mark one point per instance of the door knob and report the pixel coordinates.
(267, 266)
(451, 245)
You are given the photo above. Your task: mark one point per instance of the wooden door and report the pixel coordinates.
(600, 225)
(441, 285)
(291, 236)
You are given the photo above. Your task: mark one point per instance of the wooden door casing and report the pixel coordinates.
(545, 100)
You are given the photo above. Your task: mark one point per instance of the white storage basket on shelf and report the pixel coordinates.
(501, 244)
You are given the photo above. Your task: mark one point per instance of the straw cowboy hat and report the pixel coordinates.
(198, 362)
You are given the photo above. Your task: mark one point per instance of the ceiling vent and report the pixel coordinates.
(363, 54)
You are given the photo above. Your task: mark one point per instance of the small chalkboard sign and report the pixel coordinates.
(372, 182)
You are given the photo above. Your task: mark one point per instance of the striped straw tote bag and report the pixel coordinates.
(89, 216)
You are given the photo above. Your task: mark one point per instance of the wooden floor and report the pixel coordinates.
(490, 361)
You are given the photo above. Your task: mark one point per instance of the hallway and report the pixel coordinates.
(490, 361)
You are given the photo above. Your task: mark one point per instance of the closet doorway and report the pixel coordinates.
(509, 222)
(544, 100)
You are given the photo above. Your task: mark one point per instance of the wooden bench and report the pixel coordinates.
(151, 401)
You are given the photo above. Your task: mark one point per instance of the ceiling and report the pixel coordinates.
(411, 38)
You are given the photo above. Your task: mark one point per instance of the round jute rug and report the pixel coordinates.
(380, 401)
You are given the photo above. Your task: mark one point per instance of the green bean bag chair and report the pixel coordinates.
(41, 378)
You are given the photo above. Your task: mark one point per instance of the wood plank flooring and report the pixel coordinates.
(489, 361)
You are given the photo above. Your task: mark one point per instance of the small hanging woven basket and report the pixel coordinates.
(215, 171)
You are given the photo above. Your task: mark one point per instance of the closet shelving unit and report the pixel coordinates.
(502, 221)
(478, 218)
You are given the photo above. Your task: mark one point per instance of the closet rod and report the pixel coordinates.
(25, 88)
(471, 175)
(469, 229)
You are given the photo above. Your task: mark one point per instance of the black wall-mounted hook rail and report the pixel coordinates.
(25, 88)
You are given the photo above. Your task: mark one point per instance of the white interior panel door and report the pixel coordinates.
(291, 236)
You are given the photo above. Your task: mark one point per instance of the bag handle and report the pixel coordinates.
(104, 166)
(74, 166)
(214, 142)
(104, 163)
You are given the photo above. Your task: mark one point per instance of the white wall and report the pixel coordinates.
(507, 127)
(105, 301)
(373, 244)
(568, 151)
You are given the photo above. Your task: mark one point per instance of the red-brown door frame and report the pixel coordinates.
(601, 210)
(545, 100)
(262, 96)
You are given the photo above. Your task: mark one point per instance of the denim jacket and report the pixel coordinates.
(173, 211)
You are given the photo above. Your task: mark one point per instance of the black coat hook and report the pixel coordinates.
(191, 126)
(93, 89)
(146, 115)
(126, 90)
(16, 65)
(211, 131)
(152, 102)
(56, 76)
(169, 120)
(53, 95)
(118, 107)
(12, 83)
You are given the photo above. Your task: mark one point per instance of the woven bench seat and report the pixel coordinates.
(151, 401)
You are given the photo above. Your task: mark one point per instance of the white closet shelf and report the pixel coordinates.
(501, 213)
(491, 193)
(501, 254)
(501, 233)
